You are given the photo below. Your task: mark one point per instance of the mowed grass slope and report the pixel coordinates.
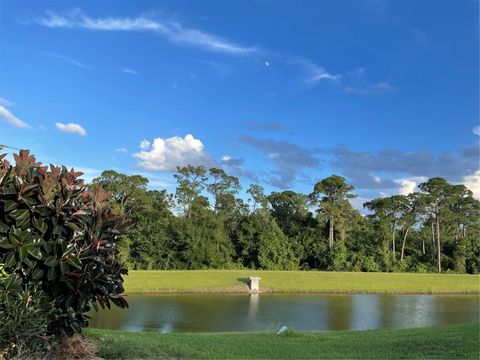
(446, 342)
(149, 281)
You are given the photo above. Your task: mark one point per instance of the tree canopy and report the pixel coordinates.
(205, 223)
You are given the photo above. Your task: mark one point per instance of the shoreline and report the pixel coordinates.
(235, 290)
(299, 292)
(296, 282)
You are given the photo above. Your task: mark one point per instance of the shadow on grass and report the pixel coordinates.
(243, 280)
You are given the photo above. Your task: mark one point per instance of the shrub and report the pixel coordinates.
(25, 315)
(59, 235)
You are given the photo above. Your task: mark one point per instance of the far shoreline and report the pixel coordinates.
(160, 282)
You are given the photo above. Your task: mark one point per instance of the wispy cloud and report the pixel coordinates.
(373, 89)
(129, 71)
(68, 60)
(171, 30)
(11, 119)
(476, 130)
(71, 128)
(121, 150)
(7, 116)
(314, 73)
(419, 37)
(6, 103)
(84, 66)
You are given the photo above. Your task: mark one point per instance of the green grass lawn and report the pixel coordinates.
(147, 281)
(445, 342)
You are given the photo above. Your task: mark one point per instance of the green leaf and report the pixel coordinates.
(63, 267)
(42, 211)
(37, 273)
(30, 262)
(75, 261)
(21, 217)
(51, 261)
(23, 252)
(48, 246)
(40, 225)
(69, 250)
(14, 239)
(52, 274)
(10, 205)
(5, 243)
(4, 228)
(72, 226)
(35, 252)
(10, 260)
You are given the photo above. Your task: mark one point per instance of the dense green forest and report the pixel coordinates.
(205, 224)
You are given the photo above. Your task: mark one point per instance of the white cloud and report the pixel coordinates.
(167, 154)
(144, 144)
(406, 186)
(316, 73)
(6, 103)
(71, 128)
(409, 185)
(171, 30)
(476, 130)
(129, 71)
(472, 182)
(176, 33)
(121, 150)
(11, 119)
(377, 88)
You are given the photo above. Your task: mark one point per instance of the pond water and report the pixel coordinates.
(303, 312)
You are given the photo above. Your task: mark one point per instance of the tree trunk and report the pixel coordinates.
(433, 241)
(403, 243)
(438, 245)
(330, 233)
(393, 237)
(423, 245)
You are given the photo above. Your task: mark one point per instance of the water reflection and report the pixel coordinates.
(267, 312)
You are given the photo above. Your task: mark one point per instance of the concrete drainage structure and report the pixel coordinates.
(254, 283)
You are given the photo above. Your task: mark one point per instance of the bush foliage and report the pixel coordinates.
(25, 313)
(60, 236)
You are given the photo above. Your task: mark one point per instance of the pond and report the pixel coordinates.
(302, 312)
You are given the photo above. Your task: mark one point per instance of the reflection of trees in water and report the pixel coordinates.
(221, 312)
(339, 312)
(457, 309)
(386, 305)
(108, 319)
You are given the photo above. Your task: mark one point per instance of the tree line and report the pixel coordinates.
(205, 224)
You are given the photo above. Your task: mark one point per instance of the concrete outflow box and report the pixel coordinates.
(254, 283)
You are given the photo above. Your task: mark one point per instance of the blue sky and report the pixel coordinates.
(281, 93)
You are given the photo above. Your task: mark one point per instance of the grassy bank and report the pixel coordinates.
(140, 281)
(446, 342)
